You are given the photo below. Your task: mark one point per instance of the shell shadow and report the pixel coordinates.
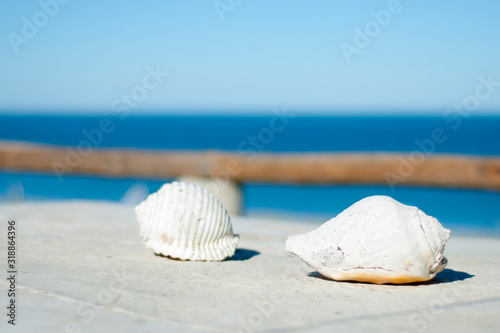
(242, 255)
(239, 255)
(319, 276)
(449, 275)
(446, 276)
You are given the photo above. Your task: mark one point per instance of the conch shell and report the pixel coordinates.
(377, 240)
(186, 222)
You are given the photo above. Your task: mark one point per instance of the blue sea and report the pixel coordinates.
(473, 135)
(464, 211)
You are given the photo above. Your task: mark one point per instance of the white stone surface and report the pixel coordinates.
(83, 268)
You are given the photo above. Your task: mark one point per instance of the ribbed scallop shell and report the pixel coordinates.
(187, 222)
(377, 240)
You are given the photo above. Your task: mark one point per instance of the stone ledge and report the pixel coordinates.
(82, 266)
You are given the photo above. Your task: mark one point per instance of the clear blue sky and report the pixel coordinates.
(264, 54)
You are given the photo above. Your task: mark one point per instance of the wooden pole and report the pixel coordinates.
(314, 168)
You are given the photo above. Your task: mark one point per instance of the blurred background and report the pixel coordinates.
(251, 79)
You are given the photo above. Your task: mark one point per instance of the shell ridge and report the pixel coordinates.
(212, 229)
(203, 240)
(186, 221)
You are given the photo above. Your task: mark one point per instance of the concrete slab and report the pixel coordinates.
(82, 268)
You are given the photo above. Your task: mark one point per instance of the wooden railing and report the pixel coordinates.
(392, 169)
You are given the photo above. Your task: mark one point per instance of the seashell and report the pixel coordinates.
(377, 240)
(186, 222)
